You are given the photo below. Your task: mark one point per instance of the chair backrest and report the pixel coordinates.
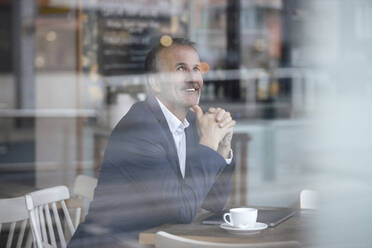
(167, 240)
(40, 203)
(84, 186)
(14, 217)
(84, 189)
(308, 199)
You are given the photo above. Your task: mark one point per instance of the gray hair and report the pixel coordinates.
(150, 61)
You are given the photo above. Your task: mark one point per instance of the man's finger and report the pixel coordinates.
(198, 111)
(220, 115)
(229, 125)
(226, 120)
(212, 110)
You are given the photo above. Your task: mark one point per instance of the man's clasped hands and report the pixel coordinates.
(215, 129)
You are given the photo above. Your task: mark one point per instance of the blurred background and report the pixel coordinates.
(295, 74)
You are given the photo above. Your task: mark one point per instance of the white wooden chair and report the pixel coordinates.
(40, 203)
(13, 213)
(308, 199)
(167, 240)
(83, 189)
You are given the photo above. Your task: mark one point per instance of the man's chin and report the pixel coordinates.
(191, 101)
(189, 104)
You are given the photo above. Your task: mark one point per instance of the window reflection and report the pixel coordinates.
(294, 82)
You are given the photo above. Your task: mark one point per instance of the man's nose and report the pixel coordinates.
(193, 76)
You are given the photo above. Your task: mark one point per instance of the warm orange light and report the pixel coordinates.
(166, 40)
(204, 67)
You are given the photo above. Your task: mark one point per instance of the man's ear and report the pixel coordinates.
(154, 84)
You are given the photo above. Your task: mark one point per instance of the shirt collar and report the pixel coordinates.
(173, 122)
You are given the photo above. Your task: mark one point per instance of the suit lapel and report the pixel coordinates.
(171, 147)
(189, 148)
(191, 142)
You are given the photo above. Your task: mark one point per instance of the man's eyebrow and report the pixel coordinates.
(181, 63)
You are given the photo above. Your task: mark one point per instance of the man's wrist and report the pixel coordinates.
(209, 143)
(224, 151)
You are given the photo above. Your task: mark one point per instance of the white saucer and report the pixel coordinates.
(246, 230)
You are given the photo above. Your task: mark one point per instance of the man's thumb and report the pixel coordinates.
(198, 111)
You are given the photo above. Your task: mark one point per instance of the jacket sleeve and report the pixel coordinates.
(220, 191)
(217, 196)
(141, 188)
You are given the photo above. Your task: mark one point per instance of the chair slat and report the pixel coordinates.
(30, 240)
(34, 228)
(42, 223)
(21, 233)
(36, 214)
(50, 226)
(34, 223)
(58, 224)
(68, 218)
(11, 234)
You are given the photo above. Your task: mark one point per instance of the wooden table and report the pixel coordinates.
(296, 228)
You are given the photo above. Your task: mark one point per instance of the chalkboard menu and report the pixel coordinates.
(5, 38)
(127, 31)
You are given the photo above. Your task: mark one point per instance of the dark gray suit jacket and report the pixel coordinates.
(140, 184)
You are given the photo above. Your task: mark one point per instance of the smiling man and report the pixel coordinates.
(180, 80)
(163, 161)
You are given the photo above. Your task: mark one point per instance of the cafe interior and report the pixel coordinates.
(295, 75)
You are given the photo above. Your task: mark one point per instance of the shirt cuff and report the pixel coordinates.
(230, 158)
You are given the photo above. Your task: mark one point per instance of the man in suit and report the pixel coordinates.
(163, 162)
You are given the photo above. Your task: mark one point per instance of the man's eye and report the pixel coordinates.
(197, 68)
(181, 68)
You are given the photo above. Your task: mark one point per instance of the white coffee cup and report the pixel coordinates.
(241, 217)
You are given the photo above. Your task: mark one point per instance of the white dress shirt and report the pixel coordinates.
(177, 128)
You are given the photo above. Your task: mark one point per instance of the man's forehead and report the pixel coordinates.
(175, 51)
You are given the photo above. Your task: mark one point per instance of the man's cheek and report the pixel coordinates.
(178, 77)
